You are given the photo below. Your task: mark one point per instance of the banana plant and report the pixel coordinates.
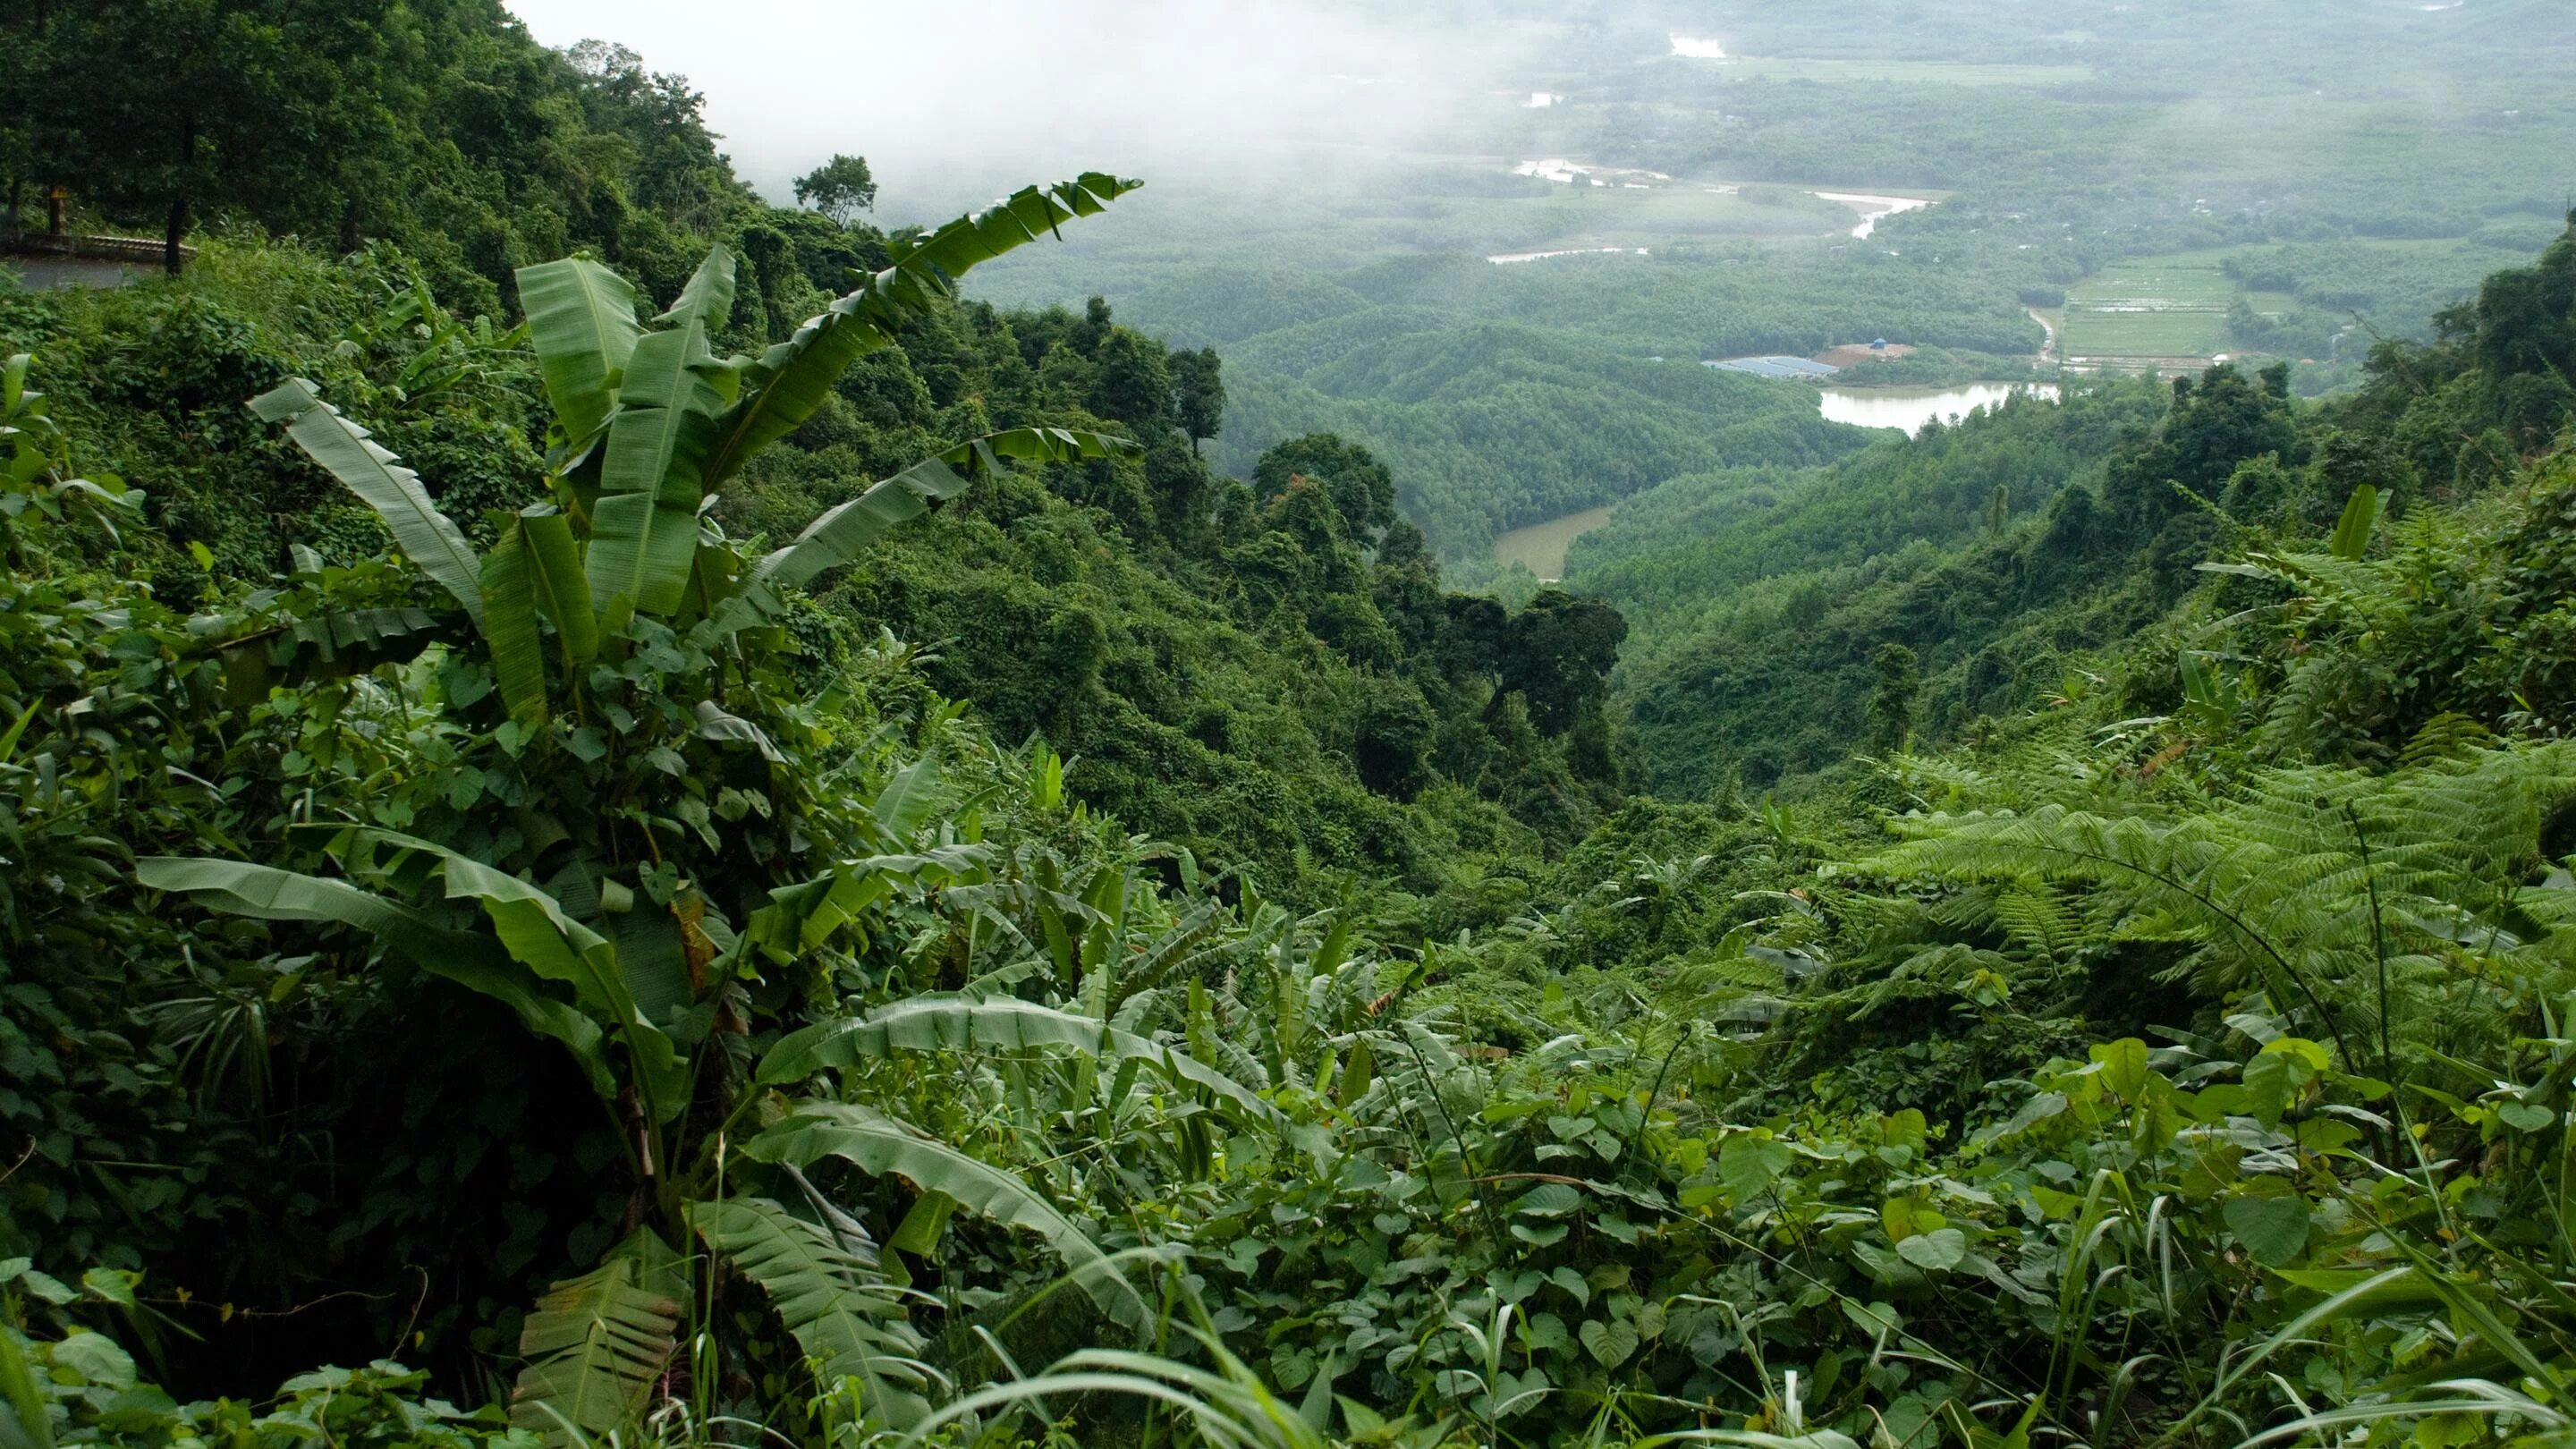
(619, 557)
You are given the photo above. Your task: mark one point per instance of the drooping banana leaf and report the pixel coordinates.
(787, 383)
(474, 962)
(999, 1023)
(539, 934)
(832, 1295)
(328, 646)
(581, 320)
(879, 1144)
(596, 1344)
(426, 536)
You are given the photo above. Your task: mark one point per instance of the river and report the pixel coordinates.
(1541, 546)
(1872, 208)
(1911, 407)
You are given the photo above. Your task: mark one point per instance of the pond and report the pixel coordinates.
(1911, 407)
(1541, 546)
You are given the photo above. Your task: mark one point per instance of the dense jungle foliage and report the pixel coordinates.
(722, 845)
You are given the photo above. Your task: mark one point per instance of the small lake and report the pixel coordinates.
(1911, 407)
(1541, 547)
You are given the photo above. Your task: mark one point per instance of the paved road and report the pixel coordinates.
(44, 273)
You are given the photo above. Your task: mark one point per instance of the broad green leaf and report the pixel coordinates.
(581, 320)
(788, 381)
(907, 800)
(918, 1233)
(597, 1343)
(2273, 1229)
(1748, 1165)
(267, 894)
(830, 1294)
(879, 1144)
(426, 536)
(1610, 1341)
(708, 298)
(1937, 1251)
(2360, 519)
(562, 585)
(640, 551)
(644, 529)
(2124, 1066)
(1549, 1200)
(992, 1024)
(657, 442)
(510, 627)
(2525, 1116)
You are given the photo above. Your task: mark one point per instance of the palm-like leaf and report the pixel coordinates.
(581, 319)
(597, 1343)
(829, 1293)
(879, 1144)
(1002, 1023)
(787, 383)
(426, 536)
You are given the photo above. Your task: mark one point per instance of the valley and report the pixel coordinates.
(1533, 724)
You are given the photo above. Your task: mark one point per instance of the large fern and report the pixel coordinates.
(829, 1291)
(2336, 891)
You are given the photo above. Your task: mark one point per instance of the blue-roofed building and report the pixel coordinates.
(1775, 367)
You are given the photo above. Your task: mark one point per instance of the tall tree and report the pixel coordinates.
(1198, 394)
(1132, 383)
(840, 188)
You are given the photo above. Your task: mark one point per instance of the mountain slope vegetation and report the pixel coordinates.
(729, 844)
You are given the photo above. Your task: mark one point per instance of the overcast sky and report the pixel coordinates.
(952, 101)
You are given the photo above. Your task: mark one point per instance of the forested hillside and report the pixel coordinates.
(721, 843)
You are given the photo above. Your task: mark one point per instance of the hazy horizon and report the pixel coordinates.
(1170, 86)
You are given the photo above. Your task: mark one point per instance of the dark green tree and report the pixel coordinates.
(1558, 655)
(1361, 487)
(1391, 737)
(1198, 394)
(1131, 382)
(1891, 704)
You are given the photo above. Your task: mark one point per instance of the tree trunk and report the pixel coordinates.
(178, 228)
(9, 218)
(349, 227)
(177, 231)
